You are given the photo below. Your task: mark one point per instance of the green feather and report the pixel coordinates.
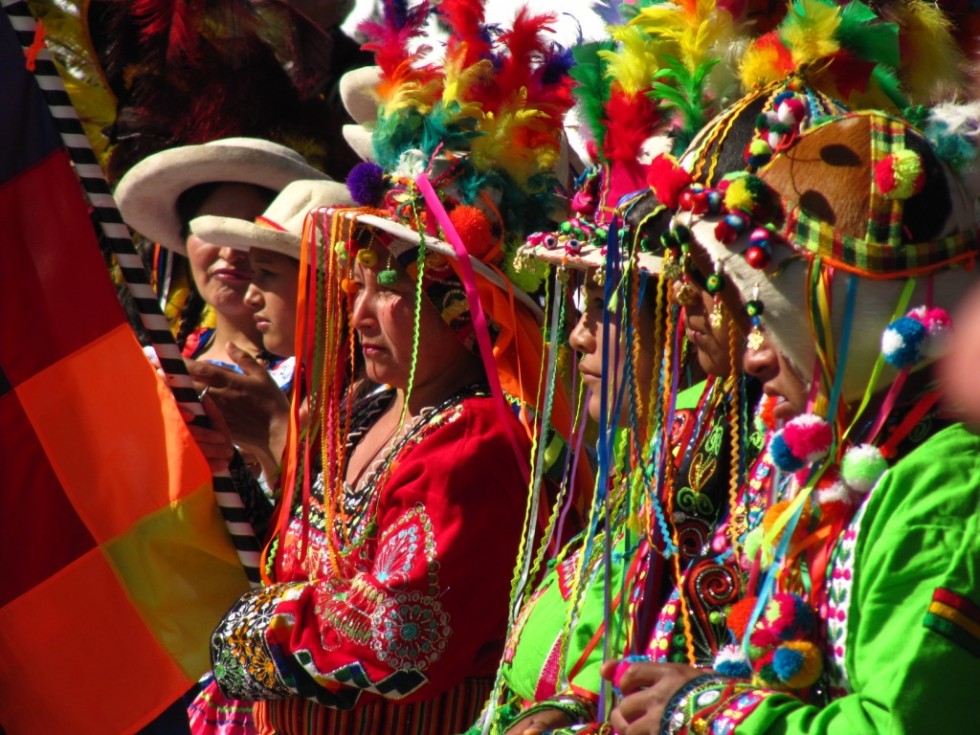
(862, 32)
(592, 89)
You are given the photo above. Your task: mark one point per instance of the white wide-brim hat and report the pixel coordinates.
(147, 195)
(280, 227)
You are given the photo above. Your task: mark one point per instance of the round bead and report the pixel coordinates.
(714, 201)
(757, 257)
(715, 283)
(682, 234)
(754, 308)
(686, 200)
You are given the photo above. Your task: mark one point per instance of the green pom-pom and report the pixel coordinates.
(862, 466)
(388, 277)
(526, 273)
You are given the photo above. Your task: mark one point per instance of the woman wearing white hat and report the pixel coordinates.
(232, 177)
(254, 407)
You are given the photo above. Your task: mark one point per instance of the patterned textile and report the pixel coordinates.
(117, 563)
(408, 618)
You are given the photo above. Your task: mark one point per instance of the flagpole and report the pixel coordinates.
(119, 240)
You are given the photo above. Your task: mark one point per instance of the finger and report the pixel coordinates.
(248, 364)
(636, 705)
(216, 417)
(617, 720)
(208, 374)
(638, 676)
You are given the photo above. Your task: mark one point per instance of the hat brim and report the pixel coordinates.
(357, 93)
(586, 258)
(147, 195)
(240, 234)
(410, 236)
(360, 140)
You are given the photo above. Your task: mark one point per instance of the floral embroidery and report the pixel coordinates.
(839, 585)
(410, 631)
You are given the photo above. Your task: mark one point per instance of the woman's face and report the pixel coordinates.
(588, 337)
(222, 275)
(384, 318)
(272, 295)
(779, 379)
(711, 342)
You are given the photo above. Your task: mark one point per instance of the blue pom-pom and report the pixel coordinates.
(901, 342)
(781, 455)
(365, 182)
(787, 662)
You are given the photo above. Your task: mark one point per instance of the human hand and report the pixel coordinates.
(254, 407)
(214, 441)
(539, 722)
(647, 688)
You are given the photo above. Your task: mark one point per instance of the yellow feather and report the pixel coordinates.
(504, 142)
(758, 67)
(636, 60)
(809, 31)
(931, 59)
(459, 82)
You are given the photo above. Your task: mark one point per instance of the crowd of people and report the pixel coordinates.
(602, 395)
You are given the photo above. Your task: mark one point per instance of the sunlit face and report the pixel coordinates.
(588, 337)
(779, 379)
(222, 275)
(384, 318)
(272, 295)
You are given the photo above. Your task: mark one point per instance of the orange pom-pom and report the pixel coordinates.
(738, 617)
(474, 229)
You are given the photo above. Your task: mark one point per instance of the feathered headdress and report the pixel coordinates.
(846, 51)
(485, 124)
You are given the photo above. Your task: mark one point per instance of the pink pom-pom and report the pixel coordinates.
(791, 111)
(808, 437)
(583, 203)
(938, 326)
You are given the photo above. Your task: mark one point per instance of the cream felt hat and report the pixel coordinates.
(280, 227)
(147, 195)
(862, 200)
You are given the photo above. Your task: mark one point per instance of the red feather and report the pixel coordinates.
(466, 19)
(629, 121)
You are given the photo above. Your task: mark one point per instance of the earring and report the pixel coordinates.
(755, 309)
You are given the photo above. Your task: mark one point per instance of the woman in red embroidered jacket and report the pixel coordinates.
(403, 511)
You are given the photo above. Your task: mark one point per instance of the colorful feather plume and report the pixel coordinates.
(846, 51)
(498, 97)
(931, 60)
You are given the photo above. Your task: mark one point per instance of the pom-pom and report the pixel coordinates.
(583, 203)
(797, 664)
(861, 467)
(731, 661)
(775, 512)
(388, 277)
(938, 327)
(366, 183)
(367, 257)
(738, 617)
(758, 153)
(830, 490)
(808, 437)
(667, 179)
(902, 341)
(474, 229)
(526, 273)
(900, 175)
(782, 455)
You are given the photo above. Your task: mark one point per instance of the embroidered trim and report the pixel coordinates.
(711, 705)
(839, 586)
